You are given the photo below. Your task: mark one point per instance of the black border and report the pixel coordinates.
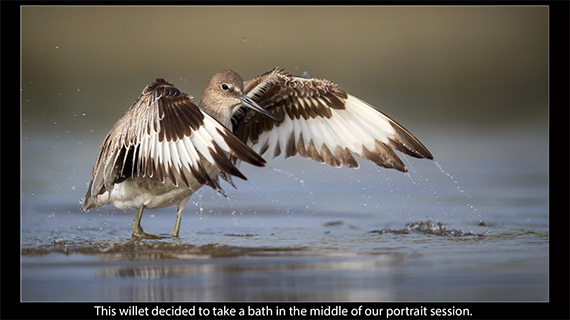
(556, 308)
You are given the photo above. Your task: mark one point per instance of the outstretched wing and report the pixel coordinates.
(321, 122)
(164, 134)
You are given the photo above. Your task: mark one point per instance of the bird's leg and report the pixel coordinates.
(137, 229)
(179, 209)
(176, 229)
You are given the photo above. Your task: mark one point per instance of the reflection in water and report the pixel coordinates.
(172, 270)
(266, 274)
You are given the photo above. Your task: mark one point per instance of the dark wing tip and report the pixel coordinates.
(405, 142)
(241, 151)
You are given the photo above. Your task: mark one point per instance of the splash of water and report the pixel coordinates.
(289, 175)
(468, 202)
(429, 227)
(464, 198)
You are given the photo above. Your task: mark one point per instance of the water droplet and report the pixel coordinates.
(78, 89)
(57, 46)
(244, 39)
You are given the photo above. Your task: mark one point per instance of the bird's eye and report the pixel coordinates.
(225, 87)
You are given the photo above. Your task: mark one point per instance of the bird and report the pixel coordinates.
(166, 147)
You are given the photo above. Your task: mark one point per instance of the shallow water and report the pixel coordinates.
(470, 226)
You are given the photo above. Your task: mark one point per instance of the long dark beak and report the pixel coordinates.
(248, 102)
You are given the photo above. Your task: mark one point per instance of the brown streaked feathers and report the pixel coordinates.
(163, 115)
(299, 100)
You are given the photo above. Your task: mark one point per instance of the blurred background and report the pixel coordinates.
(464, 67)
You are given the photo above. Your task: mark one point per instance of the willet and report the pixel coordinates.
(165, 147)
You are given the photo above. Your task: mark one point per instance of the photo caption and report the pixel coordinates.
(276, 311)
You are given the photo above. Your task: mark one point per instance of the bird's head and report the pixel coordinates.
(224, 93)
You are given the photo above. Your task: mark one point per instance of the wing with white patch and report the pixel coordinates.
(165, 135)
(321, 122)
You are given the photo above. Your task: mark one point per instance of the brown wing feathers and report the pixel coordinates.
(164, 134)
(160, 136)
(329, 129)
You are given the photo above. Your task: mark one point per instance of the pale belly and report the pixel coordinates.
(151, 192)
(134, 192)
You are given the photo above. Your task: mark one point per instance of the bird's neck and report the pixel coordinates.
(223, 115)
